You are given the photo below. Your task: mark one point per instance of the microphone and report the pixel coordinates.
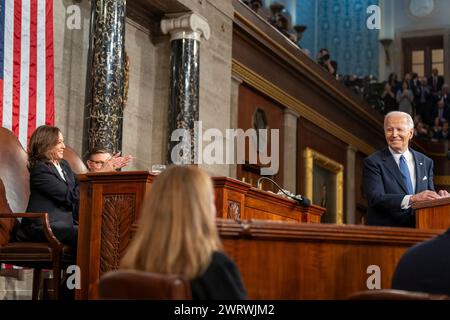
(302, 201)
(299, 198)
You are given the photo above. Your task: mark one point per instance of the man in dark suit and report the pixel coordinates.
(396, 177)
(436, 82)
(425, 267)
(441, 111)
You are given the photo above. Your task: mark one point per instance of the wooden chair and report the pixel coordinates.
(14, 194)
(392, 294)
(140, 285)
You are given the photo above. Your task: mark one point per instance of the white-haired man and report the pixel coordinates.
(397, 176)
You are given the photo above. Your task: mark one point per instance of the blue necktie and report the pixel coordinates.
(405, 175)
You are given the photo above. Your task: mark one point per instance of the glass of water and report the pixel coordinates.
(158, 168)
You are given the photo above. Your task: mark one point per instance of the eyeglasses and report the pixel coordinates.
(101, 163)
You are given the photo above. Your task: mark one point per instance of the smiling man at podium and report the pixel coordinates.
(397, 176)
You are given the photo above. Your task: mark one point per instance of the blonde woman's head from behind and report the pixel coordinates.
(177, 232)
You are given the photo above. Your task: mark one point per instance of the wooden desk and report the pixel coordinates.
(433, 214)
(109, 208)
(110, 204)
(239, 200)
(280, 260)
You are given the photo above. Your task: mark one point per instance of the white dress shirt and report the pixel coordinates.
(58, 167)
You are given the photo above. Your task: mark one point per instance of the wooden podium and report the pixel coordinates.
(110, 204)
(433, 214)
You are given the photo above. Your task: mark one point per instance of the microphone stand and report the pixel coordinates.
(300, 200)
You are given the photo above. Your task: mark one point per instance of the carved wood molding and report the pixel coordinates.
(118, 216)
(280, 230)
(234, 210)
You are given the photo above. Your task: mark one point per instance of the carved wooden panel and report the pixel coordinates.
(233, 210)
(118, 216)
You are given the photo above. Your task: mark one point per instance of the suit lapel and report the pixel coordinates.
(66, 170)
(392, 167)
(420, 169)
(56, 173)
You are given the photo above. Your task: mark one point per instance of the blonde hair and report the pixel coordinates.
(177, 232)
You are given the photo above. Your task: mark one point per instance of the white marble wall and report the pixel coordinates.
(145, 116)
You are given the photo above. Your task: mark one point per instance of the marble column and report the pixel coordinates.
(186, 32)
(350, 183)
(105, 79)
(290, 150)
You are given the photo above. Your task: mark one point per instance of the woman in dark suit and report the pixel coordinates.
(177, 235)
(53, 189)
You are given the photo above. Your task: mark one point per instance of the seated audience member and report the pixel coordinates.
(177, 235)
(435, 129)
(444, 133)
(425, 267)
(53, 189)
(441, 111)
(420, 128)
(101, 160)
(324, 60)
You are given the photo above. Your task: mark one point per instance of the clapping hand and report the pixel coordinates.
(117, 162)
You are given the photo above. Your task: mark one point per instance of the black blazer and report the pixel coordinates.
(385, 189)
(425, 267)
(221, 281)
(439, 83)
(50, 193)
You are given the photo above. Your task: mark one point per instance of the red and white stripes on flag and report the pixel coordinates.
(27, 67)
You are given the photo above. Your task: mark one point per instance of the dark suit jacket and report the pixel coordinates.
(445, 113)
(439, 84)
(385, 189)
(221, 281)
(60, 199)
(425, 267)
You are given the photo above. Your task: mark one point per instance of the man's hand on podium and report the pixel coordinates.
(444, 193)
(425, 195)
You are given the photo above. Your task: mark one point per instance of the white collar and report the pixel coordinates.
(407, 154)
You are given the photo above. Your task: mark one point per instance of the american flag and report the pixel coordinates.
(26, 66)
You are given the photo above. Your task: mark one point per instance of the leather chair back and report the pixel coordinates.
(6, 225)
(14, 171)
(14, 194)
(140, 285)
(74, 161)
(14, 181)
